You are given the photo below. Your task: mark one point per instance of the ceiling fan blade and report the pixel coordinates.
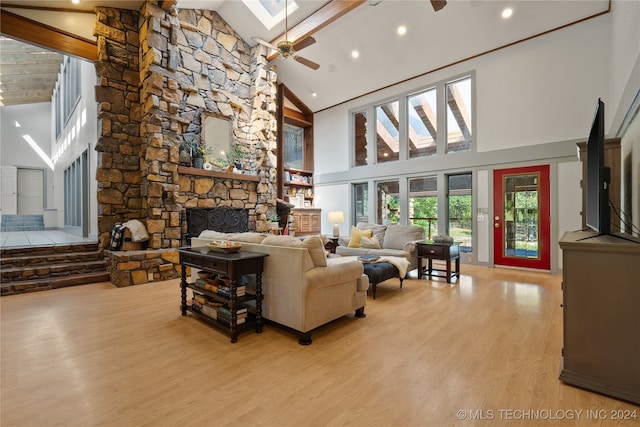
(305, 42)
(264, 43)
(438, 4)
(308, 63)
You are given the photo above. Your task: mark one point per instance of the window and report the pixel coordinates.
(270, 12)
(460, 211)
(361, 202)
(459, 135)
(387, 132)
(423, 123)
(423, 204)
(293, 147)
(67, 92)
(419, 117)
(388, 211)
(360, 137)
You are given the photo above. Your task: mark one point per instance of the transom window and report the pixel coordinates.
(408, 127)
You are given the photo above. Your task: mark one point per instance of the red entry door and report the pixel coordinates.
(521, 209)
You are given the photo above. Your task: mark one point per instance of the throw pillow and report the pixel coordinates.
(356, 236)
(313, 244)
(370, 243)
(377, 229)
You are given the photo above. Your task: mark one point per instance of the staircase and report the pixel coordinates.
(40, 268)
(22, 223)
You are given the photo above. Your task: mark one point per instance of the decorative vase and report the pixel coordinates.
(197, 162)
(274, 225)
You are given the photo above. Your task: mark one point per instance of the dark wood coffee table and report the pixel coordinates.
(446, 252)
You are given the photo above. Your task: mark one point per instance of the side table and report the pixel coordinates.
(446, 252)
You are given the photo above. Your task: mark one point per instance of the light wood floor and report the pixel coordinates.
(96, 355)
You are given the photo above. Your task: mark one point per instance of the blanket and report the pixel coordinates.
(401, 263)
(138, 230)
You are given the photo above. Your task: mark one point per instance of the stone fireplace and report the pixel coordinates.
(158, 72)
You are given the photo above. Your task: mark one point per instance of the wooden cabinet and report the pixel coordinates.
(306, 221)
(601, 315)
(234, 266)
(612, 159)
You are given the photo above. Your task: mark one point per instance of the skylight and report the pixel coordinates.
(270, 12)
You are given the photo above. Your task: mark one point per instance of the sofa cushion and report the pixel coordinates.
(397, 236)
(313, 244)
(378, 230)
(356, 236)
(248, 237)
(372, 243)
(214, 235)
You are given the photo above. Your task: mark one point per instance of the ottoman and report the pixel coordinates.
(378, 272)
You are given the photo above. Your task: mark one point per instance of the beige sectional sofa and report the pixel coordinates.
(303, 289)
(384, 240)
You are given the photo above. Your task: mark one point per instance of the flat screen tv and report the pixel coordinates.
(598, 177)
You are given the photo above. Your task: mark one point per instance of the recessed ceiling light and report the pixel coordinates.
(314, 94)
(75, 1)
(355, 53)
(507, 13)
(402, 30)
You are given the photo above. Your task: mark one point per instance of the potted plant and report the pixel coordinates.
(274, 221)
(197, 154)
(235, 156)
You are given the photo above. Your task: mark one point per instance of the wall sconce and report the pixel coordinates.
(336, 218)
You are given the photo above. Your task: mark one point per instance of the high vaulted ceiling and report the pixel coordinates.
(461, 30)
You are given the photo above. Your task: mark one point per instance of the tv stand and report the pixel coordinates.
(601, 293)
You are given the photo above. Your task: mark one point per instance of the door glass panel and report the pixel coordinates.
(423, 204)
(387, 200)
(388, 132)
(361, 200)
(460, 219)
(521, 219)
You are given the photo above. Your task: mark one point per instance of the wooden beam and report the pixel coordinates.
(319, 19)
(167, 4)
(34, 32)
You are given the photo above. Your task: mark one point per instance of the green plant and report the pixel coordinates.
(198, 150)
(274, 218)
(234, 155)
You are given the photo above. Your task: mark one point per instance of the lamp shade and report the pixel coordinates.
(336, 217)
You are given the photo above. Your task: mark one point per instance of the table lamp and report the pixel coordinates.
(336, 218)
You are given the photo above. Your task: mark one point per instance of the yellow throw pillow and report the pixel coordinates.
(356, 235)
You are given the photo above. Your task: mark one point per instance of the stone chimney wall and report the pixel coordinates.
(158, 72)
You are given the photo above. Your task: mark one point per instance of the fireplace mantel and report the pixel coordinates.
(216, 174)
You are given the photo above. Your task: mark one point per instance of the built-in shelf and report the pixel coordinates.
(216, 174)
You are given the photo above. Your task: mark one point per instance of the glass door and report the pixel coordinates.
(522, 217)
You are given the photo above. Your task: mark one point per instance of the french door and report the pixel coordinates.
(521, 221)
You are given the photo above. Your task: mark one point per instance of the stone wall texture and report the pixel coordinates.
(158, 72)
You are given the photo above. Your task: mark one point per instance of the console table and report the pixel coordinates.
(232, 265)
(446, 252)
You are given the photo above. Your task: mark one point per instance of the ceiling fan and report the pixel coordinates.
(437, 4)
(288, 49)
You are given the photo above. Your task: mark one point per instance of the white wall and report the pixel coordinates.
(542, 91)
(15, 151)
